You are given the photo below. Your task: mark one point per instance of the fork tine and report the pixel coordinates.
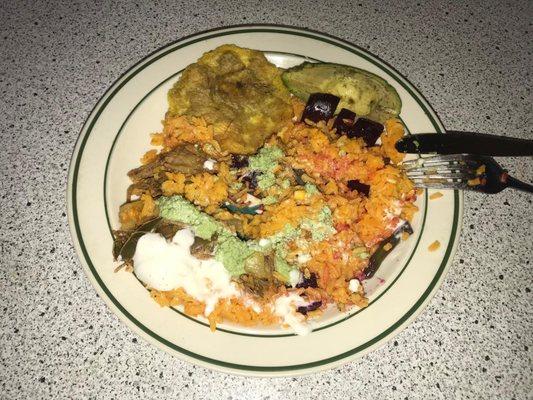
(437, 164)
(440, 168)
(443, 181)
(442, 175)
(444, 160)
(444, 185)
(451, 171)
(423, 159)
(443, 157)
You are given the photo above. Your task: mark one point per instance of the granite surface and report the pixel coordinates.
(472, 60)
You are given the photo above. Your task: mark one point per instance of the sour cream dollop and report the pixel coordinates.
(164, 265)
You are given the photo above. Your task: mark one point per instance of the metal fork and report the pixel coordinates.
(463, 172)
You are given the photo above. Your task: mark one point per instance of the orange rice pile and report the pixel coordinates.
(329, 162)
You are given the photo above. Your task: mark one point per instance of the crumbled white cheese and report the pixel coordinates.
(252, 200)
(209, 164)
(303, 258)
(354, 285)
(295, 276)
(264, 242)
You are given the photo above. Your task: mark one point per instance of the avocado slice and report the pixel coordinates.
(360, 91)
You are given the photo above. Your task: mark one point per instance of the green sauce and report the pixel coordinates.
(322, 227)
(233, 252)
(176, 208)
(265, 161)
(269, 200)
(311, 189)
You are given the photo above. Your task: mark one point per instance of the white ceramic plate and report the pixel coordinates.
(115, 136)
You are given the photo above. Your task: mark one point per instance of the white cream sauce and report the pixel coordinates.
(285, 308)
(164, 265)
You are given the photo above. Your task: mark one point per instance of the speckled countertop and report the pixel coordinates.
(59, 340)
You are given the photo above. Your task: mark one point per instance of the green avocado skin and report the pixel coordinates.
(360, 91)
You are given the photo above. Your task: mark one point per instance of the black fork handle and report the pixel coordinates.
(457, 142)
(516, 184)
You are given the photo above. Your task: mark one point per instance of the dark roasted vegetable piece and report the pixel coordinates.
(151, 185)
(256, 285)
(259, 265)
(369, 130)
(186, 159)
(259, 274)
(126, 241)
(344, 121)
(298, 173)
(354, 184)
(168, 228)
(379, 255)
(308, 282)
(310, 307)
(251, 179)
(239, 161)
(320, 107)
(119, 238)
(202, 248)
(244, 209)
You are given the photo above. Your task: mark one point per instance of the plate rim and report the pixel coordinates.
(161, 342)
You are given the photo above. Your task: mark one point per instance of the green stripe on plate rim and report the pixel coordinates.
(348, 316)
(124, 78)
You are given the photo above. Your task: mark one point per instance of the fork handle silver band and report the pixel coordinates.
(456, 142)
